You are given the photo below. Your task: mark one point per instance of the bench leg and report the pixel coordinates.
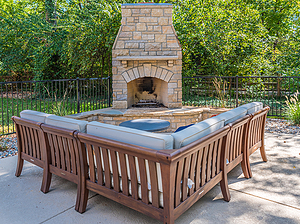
(19, 165)
(168, 220)
(46, 181)
(82, 199)
(263, 152)
(245, 164)
(224, 187)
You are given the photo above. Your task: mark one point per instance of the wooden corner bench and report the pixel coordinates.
(162, 184)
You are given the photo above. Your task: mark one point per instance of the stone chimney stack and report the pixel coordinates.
(147, 57)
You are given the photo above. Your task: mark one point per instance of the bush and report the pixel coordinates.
(293, 108)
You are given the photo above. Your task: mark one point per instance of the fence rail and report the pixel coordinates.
(60, 97)
(69, 96)
(232, 91)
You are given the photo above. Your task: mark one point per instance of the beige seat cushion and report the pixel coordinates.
(34, 115)
(232, 115)
(252, 107)
(68, 123)
(197, 131)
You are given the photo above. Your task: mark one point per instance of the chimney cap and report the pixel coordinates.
(146, 4)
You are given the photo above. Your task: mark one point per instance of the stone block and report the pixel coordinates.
(160, 38)
(153, 71)
(141, 71)
(152, 53)
(128, 28)
(126, 12)
(136, 11)
(163, 74)
(147, 70)
(131, 75)
(179, 95)
(116, 53)
(120, 104)
(152, 46)
(118, 78)
(145, 11)
(168, 76)
(158, 72)
(157, 12)
(144, 53)
(125, 34)
(179, 83)
(136, 73)
(148, 19)
(131, 45)
(137, 35)
(149, 28)
(172, 43)
(168, 11)
(163, 21)
(114, 70)
(167, 30)
(172, 85)
(141, 27)
(123, 21)
(135, 53)
(157, 28)
(130, 19)
(120, 44)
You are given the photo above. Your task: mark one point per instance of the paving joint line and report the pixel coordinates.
(64, 211)
(264, 198)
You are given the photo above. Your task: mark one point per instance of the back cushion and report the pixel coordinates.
(130, 135)
(193, 133)
(34, 115)
(68, 123)
(253, 107)
(232, 115)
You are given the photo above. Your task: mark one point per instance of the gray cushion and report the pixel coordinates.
(68, 123)
(34, 115)
(232, 115)
(192, 133)
(253, 107)
(130, 135)
(135, 137)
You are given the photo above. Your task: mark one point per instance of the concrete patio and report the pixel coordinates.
(272, 195)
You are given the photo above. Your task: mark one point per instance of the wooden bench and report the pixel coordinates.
(159, 183)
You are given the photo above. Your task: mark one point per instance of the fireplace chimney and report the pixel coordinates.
(147, 46)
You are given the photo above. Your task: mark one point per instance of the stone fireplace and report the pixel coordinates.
(147, 57)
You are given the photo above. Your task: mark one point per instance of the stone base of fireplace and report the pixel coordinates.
(177, 117)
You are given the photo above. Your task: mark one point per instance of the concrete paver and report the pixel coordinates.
(272, 195)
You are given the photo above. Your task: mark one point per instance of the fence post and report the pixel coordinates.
(237, 91)
(78, 95)
(108, 91)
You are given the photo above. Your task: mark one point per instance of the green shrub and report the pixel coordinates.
(293, 108)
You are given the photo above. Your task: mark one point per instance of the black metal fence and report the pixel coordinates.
(211, 91)
(71, 96)
(60, 97)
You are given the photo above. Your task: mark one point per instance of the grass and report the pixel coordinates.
(12, 107)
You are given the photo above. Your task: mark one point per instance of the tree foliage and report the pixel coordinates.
(51, 39)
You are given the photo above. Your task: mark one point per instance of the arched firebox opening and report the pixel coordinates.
(147, 92)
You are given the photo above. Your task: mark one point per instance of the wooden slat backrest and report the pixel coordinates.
(237, 138)
(257, 128)
(30, 140)
(62, 152)
(198, 162)
(123, 166)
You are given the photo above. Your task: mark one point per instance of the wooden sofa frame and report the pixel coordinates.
(104, 166)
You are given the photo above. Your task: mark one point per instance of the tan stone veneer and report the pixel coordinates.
(147, 46)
